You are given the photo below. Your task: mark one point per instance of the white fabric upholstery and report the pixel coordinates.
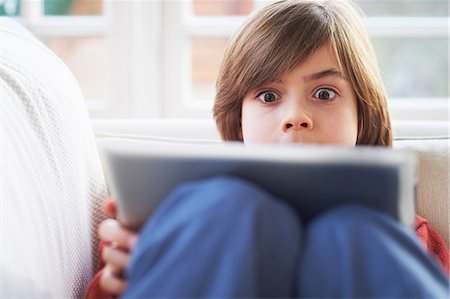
(419, 130)
(432, 193)
(430, 139)
(52, 183)
(200, 129)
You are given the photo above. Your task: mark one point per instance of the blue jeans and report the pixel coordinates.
(225, 237)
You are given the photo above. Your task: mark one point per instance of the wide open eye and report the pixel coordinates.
(268, 97)
(325, 94)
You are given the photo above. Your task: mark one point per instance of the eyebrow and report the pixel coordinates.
(323, 74)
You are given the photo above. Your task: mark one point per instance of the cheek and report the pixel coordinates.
(256, 127)
(348, 134)
(338, 126)
(251, 130)
(345, 129)
(337, 133)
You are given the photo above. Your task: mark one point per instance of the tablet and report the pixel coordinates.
(140, 174)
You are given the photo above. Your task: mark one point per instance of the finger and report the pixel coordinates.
(112, 231)
(110, 207)
(112, 284)
(116, 259)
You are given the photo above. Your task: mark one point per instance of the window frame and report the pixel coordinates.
(150, 44)
(183, 25)
(134, 58)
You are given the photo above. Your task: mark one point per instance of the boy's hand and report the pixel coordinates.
(116, 255)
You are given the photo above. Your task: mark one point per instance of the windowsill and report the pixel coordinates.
(420, 109)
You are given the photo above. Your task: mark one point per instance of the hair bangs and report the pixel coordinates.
(271, 54)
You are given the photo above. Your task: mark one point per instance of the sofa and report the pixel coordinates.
(52, 182)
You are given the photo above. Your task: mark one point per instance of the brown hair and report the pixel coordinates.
(283, 35)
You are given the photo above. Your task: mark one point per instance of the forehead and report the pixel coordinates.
(321, 63)
(322, 58)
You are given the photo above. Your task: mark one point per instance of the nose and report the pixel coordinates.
(297, 120)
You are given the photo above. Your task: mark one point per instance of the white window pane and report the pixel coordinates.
(436, 8)
(370, 7)
(222, 7)
(207, 55)
(414, 67)
(89, 61)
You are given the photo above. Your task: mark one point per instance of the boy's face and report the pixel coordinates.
(311, 104)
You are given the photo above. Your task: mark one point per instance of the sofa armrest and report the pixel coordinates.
(53, 184)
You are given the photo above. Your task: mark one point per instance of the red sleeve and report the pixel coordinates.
(433, 242)
(94, 290)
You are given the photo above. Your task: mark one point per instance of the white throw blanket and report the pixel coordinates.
(52, 185)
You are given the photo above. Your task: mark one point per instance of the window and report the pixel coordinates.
(160, 58)
(410, 39)
(76, 31)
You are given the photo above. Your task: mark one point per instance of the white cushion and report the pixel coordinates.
(410, 130)
(52, 183)
(432, 193)
(431, 141)
(199, 129)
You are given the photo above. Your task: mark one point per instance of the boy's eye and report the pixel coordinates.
(325, 94)
(268, 97)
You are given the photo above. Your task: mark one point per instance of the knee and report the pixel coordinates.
(228, 192)
(350, 220)
(221, 206)
(229, 187)
(351, 214)
(229, 200)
